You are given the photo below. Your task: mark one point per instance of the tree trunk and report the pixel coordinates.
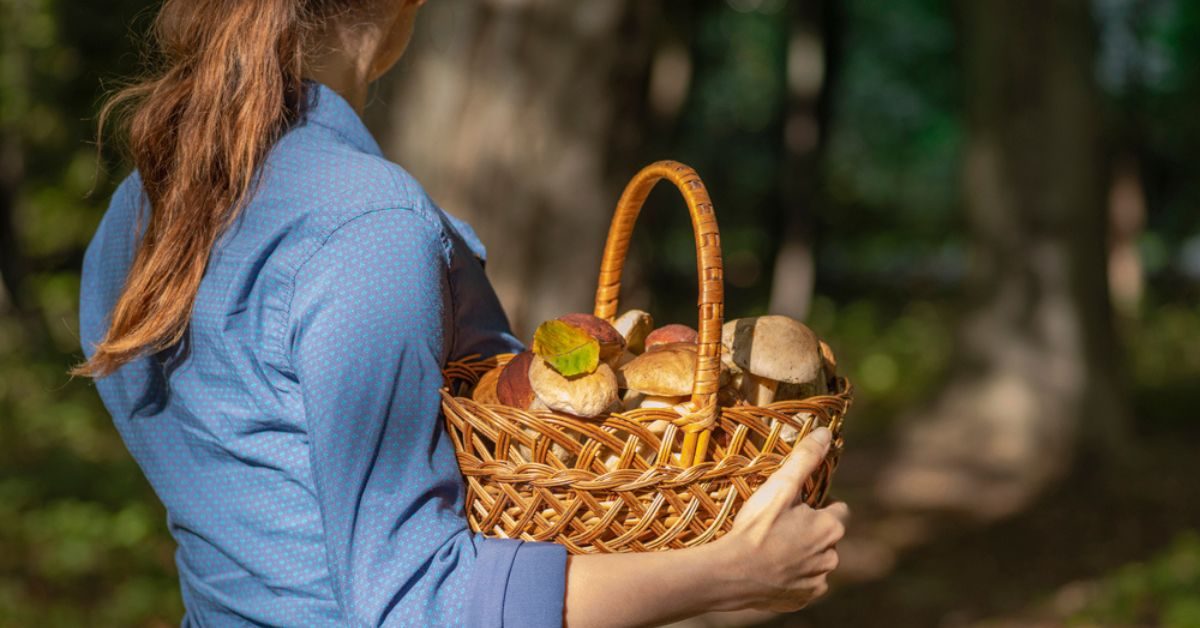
(814, 57)
(11, 264)
(1037, 371)
(509, 113)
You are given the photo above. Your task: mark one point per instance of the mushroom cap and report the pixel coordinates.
(512, 387)
(485, 388)
(587, 395)
(828, 360)
(619, 367)
(634, 325)
(670, 334)
(774, 347)
(612, 343)
(665, 371)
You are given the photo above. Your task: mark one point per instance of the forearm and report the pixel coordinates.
(650, 588)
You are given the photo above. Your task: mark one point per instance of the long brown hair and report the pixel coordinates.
(197, 129)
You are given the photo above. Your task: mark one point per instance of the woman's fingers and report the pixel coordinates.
(806, 456)
(779, 492)
(839, 510)
(833, 528)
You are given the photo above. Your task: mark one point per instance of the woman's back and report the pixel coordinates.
(293, 433)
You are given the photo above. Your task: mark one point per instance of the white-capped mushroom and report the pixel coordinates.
(634, 326)
(678, 403)
(587, 396)
(773, 350)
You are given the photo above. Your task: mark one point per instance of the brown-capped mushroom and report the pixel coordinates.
(634, 326)
(670, 334)
(612, 343)
(586, 396)
(512, 386)
(666, 371)
(774, 350)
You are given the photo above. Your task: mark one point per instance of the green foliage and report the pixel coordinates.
(894, 356)
(894, 153)
(567, 348)
(82, 536)
(1163, 591)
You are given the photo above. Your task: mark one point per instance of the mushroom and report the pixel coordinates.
(774, 350)
(513, 388)
(587, 395)
(619, 367)
(670, 334)
(730, 394)
(677, 403)
(634, 326)
(485, 388)
(665, 371)
(612, 342)
(828, 361)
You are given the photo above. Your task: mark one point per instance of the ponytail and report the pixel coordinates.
(198, 130)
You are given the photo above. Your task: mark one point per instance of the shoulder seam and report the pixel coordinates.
(284, 354)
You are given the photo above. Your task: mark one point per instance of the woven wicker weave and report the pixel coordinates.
(643, 480)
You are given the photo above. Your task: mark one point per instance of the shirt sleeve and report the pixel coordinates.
(367, 328)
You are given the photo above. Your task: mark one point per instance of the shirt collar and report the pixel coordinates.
(327, 108)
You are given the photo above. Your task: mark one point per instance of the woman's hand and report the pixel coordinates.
(782, 550)
(775, 558)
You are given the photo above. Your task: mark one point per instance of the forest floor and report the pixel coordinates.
(1046, 566)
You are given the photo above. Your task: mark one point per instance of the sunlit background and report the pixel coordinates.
(987, 207)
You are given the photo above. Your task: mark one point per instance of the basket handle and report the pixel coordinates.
(708, 263)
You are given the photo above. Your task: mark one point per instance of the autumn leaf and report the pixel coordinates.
(566, 348)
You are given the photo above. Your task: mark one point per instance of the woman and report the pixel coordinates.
(266, 308)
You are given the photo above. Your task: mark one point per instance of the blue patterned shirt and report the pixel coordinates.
(294, 435)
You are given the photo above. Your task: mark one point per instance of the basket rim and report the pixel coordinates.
(490, 420)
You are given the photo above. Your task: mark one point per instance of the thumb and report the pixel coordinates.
(780, 490)
(806, 456)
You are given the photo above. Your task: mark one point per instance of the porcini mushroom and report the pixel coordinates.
(677, 403)
(773, 350)
(512, 385)
(612, 342)
(670, 334)
(485, 388)
(665, 371)
(587, 395)
(828, 361)
(634, 326)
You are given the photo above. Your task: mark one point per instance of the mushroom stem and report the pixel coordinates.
(759, 391)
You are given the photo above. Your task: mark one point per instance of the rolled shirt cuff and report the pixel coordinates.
(518, 584)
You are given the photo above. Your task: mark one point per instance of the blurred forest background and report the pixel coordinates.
(988, 207)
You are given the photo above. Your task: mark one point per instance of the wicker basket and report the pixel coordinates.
(625, 487)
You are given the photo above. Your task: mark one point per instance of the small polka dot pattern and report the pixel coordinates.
(294, 433)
